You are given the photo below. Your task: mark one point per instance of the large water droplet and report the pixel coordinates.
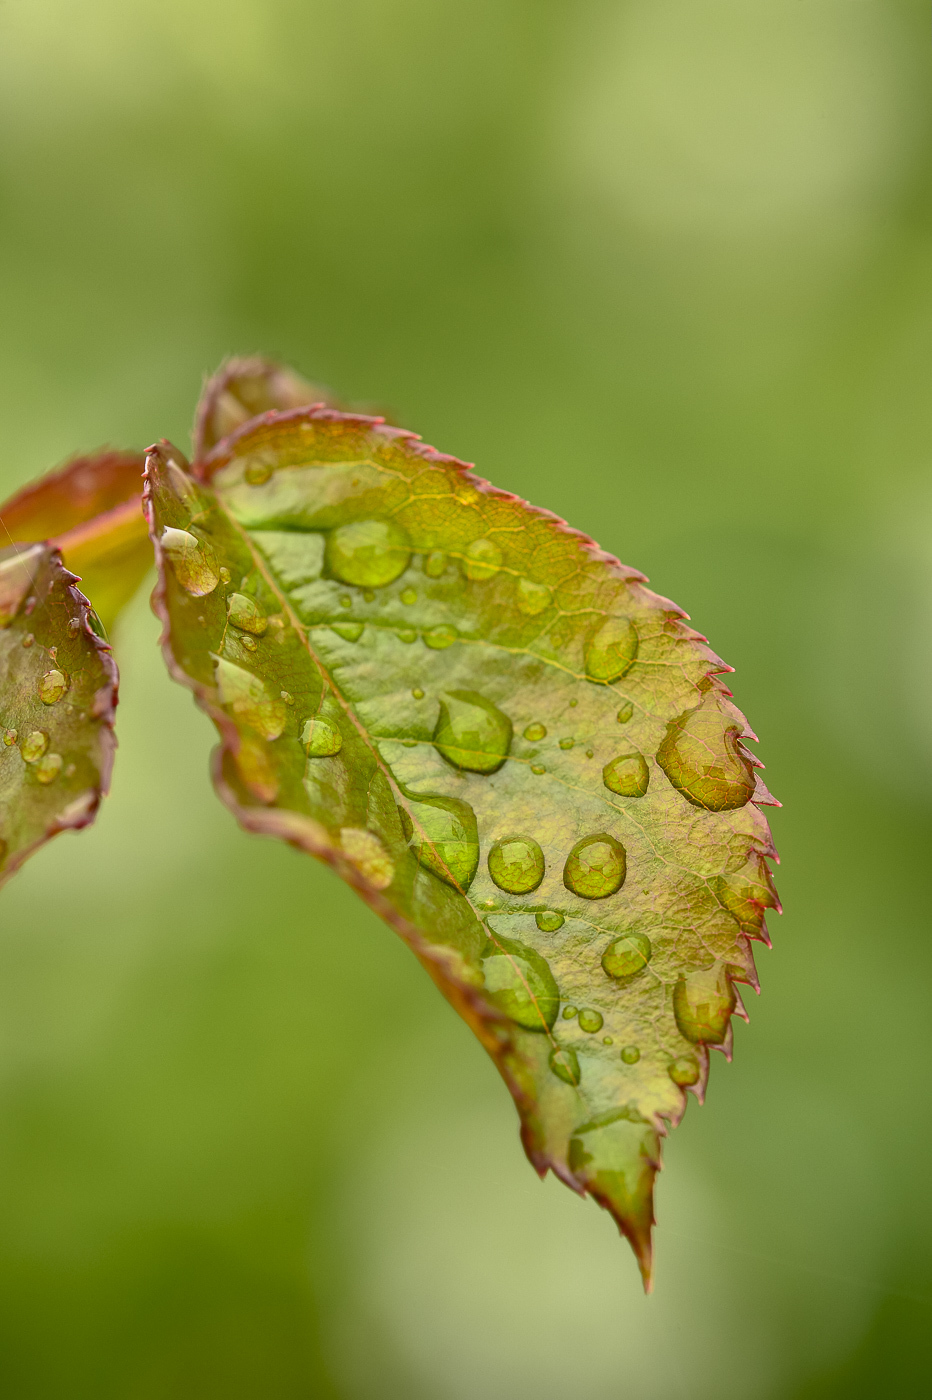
(746, 896)
(444, 837)
(48, 767)
(321, 739)
(471, 732)
(549, 920)
(703, 1003)
(193, 561)
(627, 956)
(52, 687)
(611, 649)
(700, 756)
(531, 598)
(483, 559)
(520, 983)
(684, 1071)
(368, 553)
(535, 732)
(565, 1064)
(439, 638)
(435, 563)
(628, 775)
(34, 746)
(590, 1021)
(595, 867)
(246, 614)
(516, 864)
(248, 698)
(366, 852)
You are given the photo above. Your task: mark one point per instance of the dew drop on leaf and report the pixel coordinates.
(565, 1064)
(483, 558)
(703, 1003)
(538, 768)
(516, 864)
(531, 598)
(9, 737)
(28, 640)
(48, 767)
(700, 756)
(535, 732)
(684, 1071)
(52, 686)
(349, 631)
(257, 473)
(611, 649)
(628, 775)
(224, 574)
(321, 739)
(367, 553)
(287, 697)
(443, 834)
(406, 634)
(408, 596)
(248, 641)
(549, 920)
(625, 713)
(590, 1021)
(569, 1012)
(439, 638)
(34, 745)
(193, 561)
(521, 984)
(418, 693)
(245, 614)
(630, 1054)
(567, 743)
(471, 732)
(627, 956)
(435, 563)
(595, 867)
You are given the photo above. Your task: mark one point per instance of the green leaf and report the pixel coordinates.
(521, 758)
(91, 509)
(58, 692)
(243, 388)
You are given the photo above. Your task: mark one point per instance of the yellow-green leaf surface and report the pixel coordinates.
(521, 757)
(58, 691)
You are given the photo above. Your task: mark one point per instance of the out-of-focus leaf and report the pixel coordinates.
(522, 758)
(58, 692)
(92, 510)
(243, 388)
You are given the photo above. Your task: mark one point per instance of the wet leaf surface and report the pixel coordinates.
(519, 755)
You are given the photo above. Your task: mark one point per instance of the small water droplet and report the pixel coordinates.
(418, 693)
(34, 746)
(257, 473)
(590, 753)
(625, 713)
(366, 852)
(595, 867)
(549, 920)
(538, 768)
(627, 956)
(409, 743)
(349, 631)
(193, 561)
(406, 634)
(532, 598)
(28, 640)
(630, 1054)
(52, 687)
(684, 1071)
(471, 732)
(368, 553)
(321, 739)
(435, 563)
(444, 837)
(287, 697)
(9, 737)
(700, 756)
(345, 600)
(573, 704)
(569, 1012)
(703, 1004)
(408, 596)
(247, 641)
(565, 1064)
(520, 983)
(246, 614)
(590, 1021)
(483, 559)
(535, 732)
(224, 574)
(516, 864)
(611, 649)
(30, 607)
(567, 743)
(607, 1040)
(70, 770)
(74, 626)
(48, 767)
(440, 637)
(368, 595)
(627, 775)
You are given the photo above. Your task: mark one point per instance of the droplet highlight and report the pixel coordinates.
(472, 733)
(516, 864)
(595, 867)
(192, 560)
(701, 758)
(611, 650)
(52, 686)
(367, 553)
(627, 956)
(627, 775)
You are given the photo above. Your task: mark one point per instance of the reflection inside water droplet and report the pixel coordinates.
(627, 956)
(472, 733)
(520, 983)
(538, 768)
(34, 746)
(684, 1072)
(48, 767)
(483, 559)
(321, 738)
(566, 743)
(535, 732)
(590, 1021)
(549, 920)
(52, 687)
(516, 864)
(611, 649)
(368, 553)
(595, 867)
(627, 775)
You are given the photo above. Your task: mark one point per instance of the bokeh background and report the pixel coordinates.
(664, 267)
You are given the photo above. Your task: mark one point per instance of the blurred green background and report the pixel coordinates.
(664, 267)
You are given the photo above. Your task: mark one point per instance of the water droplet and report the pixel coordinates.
(409, 743)
(406, 634)
(224, 574)
(321, 738)
(569, 1012)
(287, 697)
(247, 641)
(368, 595)
(611, 649)
(435, 563)
(71, 770)
(590, 1021)
(483, 559)
(193, 561)
(520, 983)
(444, 837)
(471, 732)
(440, 637)
(48, 768)
(28, 640)
(52, 687)
(595, 867)
(9, 737)
(34, 746)
(532, 598)
(628, 775)
(246, 614)
(535, 732)
(74, 626)
(248, 698)
(703, 1003)
(53, 653)
(257, 473)
(566, 743)
(30, 607)
(700, 756)
(684, 1072)
(631, 1054)
(607, 1040)
(590, 753)
(627, 956)
(516, 864)
(418, 693)
(368, 553)
(565, 1064)
(408, 596)
(345, 600)
(573, 704)
(366, 852)
(538, 768)
(349, 631)
(549, 920)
